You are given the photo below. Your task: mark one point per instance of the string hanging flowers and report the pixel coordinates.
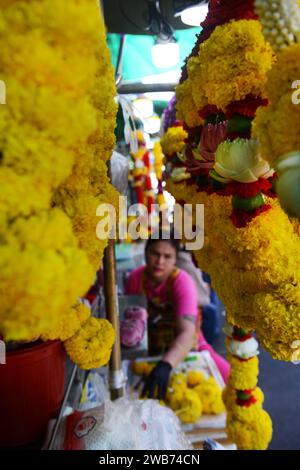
(56, 133)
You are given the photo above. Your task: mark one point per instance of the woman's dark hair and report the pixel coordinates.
(163, 236)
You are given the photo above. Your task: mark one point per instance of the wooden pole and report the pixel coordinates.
(112, 315)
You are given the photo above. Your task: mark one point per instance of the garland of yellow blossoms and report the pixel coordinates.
(264, 292)
(226, 78)
(248, 425)
(56, 133)
(279, 136)
(261, 254)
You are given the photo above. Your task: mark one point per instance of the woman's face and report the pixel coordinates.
(161, 260)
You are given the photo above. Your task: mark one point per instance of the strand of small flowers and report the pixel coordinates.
(248, 425)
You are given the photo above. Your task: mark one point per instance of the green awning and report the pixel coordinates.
(137, 62)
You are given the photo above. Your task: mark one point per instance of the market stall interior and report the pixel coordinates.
(149, 230)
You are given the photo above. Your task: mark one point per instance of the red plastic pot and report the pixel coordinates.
(31, 392)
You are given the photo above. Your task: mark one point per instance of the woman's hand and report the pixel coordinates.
(158, 381)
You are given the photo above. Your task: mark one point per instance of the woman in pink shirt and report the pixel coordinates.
(173, 314)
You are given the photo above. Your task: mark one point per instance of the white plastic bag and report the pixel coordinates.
(121, 425)
(119, 172)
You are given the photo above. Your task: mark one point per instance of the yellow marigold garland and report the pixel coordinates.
(173, 140)
(38, 255)
(252, 434)
(229, 396)
(276, 135)
(185, 105)
(248, 425)
(69, 324)
(231, 64)
(263, 294)
(56, 133)
(158, 159)
(243, 374)
(91, 346)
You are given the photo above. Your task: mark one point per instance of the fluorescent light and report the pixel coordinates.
(160, 95)
(194, 16)
(171, 76)
(165, 55)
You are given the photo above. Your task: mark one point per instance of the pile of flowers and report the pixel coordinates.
(190, 394)
(56, 133)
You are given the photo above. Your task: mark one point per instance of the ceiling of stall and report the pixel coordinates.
(132, 16)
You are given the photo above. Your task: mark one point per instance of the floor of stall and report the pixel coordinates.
(280, 382)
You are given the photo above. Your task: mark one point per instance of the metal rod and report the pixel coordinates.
(137, 87)
(67, 393)
(118, 75)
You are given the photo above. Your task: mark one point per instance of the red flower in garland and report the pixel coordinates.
(248, 189)
(246, 107)
(245, 398)
(241, 219)
(222, 11)
(209, 110)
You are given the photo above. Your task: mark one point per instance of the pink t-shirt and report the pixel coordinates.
(184, 294)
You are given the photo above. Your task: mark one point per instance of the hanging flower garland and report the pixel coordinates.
(69, 324)
(56, 133)
(141, 174)
(172, 142)
(227, 78)
(280, 141)
(230, 65)
(38, 255)
(248, 425)
(245, 228)
(158, 168)
(220, 12)
(91, 346)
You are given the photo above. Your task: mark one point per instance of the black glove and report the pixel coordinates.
(158, 378)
